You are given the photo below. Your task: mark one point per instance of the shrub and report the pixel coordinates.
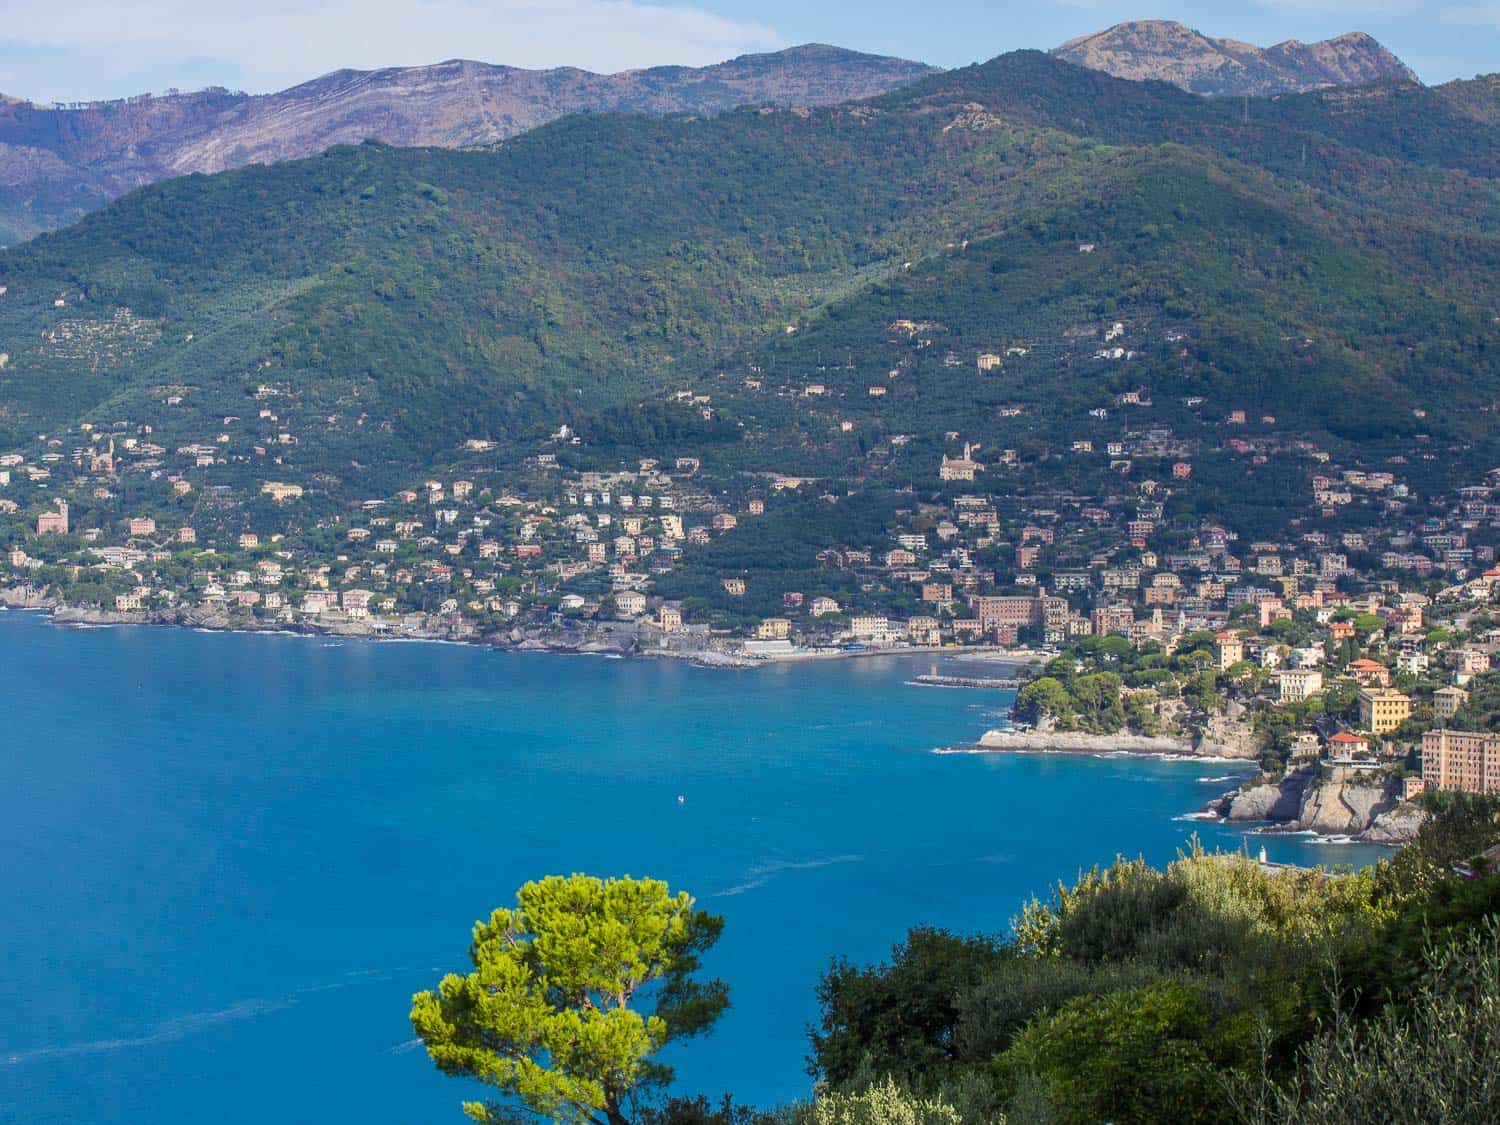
(882, 1104)
(1433, 1060)
(1148, 1054)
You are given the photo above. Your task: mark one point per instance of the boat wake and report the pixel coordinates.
(763, 874)
(180, 1027)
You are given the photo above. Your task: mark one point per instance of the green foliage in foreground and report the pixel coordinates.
(1212, 991)
(1431, 1060)
(883, 1104)
(1153, 1053)
(549, 1015)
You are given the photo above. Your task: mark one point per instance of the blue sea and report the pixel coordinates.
(227, 861)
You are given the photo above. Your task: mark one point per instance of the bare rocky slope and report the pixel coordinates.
(1343, 803)
(1170, 52)
(56, 164)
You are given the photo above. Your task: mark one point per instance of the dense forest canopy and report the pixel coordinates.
(1326, 258)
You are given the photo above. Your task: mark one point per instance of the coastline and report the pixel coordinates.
(1021, 741)
(1393, 831)
(1333, 809)
(614, 639)
(1331, 805)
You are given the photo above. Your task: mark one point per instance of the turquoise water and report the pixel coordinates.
(226, 862)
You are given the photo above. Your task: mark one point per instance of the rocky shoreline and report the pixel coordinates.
(1343, 803)
(1072, 742)
(1346, 804)
(602, 643)
(1221, 743)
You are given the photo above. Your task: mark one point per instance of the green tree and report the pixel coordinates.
(1098, 700)
(1340, 697)
(898, 1020)
(1044, 698)
(1202, 691)
(549, 1015)
(1141, 715)
(1139, 1055)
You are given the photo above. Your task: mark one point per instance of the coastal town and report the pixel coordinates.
(722, 564)
(1349, 641)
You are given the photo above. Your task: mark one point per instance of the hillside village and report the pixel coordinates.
(1341, 641)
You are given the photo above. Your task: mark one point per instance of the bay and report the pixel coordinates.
(227, 861)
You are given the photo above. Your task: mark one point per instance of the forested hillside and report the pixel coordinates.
(1331, 261)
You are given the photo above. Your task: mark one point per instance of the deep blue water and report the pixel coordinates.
(226, 862)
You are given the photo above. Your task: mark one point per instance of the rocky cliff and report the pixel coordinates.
(58, 163)
(1279, 801)
(1170, 52)
(1344, 803)
(24, 597)
(1229, 735)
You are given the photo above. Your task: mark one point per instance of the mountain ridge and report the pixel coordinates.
(1164, 50)
(58, 163)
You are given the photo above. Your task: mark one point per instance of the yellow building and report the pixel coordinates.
(773, 629)
(924, 631)
(1228, 649)
(1383, 710)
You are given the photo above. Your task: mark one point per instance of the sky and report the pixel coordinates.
(89, 49)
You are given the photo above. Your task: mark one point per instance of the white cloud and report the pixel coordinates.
(268, 44)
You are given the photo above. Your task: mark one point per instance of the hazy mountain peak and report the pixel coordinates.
(1172, 52)
(58, 163)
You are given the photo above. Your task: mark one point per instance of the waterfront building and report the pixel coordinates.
(1345, 746)
(773, 629)
(924, 631)
(1306, 745)
(1468, 761)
